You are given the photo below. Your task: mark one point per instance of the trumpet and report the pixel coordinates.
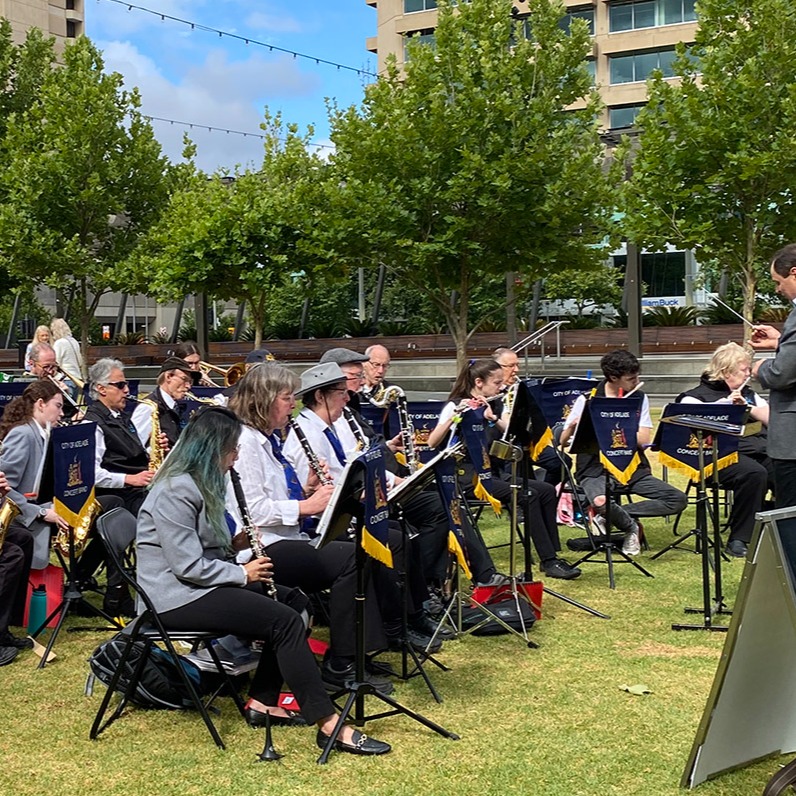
(231, 375)
(62, 387)
(76, 380)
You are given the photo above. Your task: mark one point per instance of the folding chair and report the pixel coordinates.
(117, 530)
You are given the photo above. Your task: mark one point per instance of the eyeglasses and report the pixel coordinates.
(338, 389)
(356, 376)
(119, 385)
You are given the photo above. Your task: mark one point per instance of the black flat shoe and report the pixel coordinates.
(362, 745)
(257, 718)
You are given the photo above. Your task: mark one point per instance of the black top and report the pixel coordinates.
(171, 420)
(124, 452)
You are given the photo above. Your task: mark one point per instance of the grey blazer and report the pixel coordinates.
(179, 556)
(778, 375)
(20, 459)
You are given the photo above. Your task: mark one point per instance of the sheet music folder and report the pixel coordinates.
(343, 506)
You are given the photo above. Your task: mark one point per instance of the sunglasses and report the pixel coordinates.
(119, 385)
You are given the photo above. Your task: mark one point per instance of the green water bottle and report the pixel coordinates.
(37, 612)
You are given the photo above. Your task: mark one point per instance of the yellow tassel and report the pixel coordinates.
(375, 549)
(481, 493)
(545, 440)
(455, 548)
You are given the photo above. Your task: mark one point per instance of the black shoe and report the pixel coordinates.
(125, 608)
(362, 745)
(497, 579)
(257, 718)
(736, 548)
(558, 568)
(428, 627)
(335, 680)
(419, 641)
(7, 654)
(7, 639)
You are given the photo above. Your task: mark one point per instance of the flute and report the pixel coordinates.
(312, 458)
(249, 527)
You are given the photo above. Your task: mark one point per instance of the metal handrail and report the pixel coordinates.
(538, 336)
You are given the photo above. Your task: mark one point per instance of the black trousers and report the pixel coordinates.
(286, 656)
(785, 482)
(539, 507)
(748, 481)
(299, 565)
(15, 561)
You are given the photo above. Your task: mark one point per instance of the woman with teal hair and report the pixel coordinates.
(186, 564)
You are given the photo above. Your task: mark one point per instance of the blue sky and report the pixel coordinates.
(196, 76)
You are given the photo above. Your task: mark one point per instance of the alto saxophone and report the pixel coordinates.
(156, 455)
(8, 511)
(384, 398)
(77, 537)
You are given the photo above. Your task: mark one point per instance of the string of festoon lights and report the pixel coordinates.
(245, 39)
(210, 128)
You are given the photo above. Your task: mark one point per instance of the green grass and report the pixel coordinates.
(551, 721)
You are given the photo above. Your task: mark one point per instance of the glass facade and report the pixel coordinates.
(649, 14)
(624, 116)
(586, 14)
(637, 67)
(418, 5)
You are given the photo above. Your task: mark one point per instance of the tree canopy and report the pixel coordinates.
(715, 164)
(472, 161)
(84, 176)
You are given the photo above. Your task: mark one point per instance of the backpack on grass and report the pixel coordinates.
(160, 685)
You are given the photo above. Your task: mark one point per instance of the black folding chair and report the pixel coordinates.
(117, 530)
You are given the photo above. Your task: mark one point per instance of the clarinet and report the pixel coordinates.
(407, 435)
(249, 527)
(312, 458)
(362, 443)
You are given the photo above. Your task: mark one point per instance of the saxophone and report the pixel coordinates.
(8, 511)
(383, 398)
(156, 455)
(77, 537)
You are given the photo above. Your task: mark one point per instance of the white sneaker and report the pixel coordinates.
(597, 525)
(631, 546)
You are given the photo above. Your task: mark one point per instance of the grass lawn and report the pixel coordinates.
(551, 721)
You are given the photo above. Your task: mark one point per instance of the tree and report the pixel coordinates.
(248, 237)
(84, 177)
(471, 162)
(716, 162)
(588, 289)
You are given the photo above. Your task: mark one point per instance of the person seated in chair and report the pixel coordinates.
(621, 376)
(726, 382)
(186, 564)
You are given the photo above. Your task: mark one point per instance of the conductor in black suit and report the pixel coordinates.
(778, 375)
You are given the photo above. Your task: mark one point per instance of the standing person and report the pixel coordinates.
(725, 382)
(621, 375)
(67, 354)
(376, 366)
(478, 381)
(41, 335)
(15, 557)
(778, 376)
(185, 562)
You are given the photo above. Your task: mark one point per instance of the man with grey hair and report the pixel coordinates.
(121, 462)
(42, 364)
(376, 366)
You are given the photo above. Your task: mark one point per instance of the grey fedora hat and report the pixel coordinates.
(318, 376)
(343, 356)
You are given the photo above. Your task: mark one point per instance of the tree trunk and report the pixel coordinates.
(85, 320)
(750, 282)
(258, 314)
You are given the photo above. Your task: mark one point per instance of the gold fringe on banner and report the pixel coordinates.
(545, 440)
(455, 548)
(75, 520)
(693, 472)
(481, 493)
(623, 476)
(375, 548)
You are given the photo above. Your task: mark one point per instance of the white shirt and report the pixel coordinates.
(142, 418)
(645, 421)
(314, 429)
(350, 443)
(102, 477)
(265, 489)
(68, 356)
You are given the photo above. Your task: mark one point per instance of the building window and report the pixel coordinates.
(637, 67)
(662, 272)
(423, 36)
(410, 6)
(71, 29)
(624, 116)
(70, 5)
(586, 14)
(649, 14)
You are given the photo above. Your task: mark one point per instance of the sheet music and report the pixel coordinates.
(324, 524)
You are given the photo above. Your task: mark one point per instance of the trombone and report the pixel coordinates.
(231, 374)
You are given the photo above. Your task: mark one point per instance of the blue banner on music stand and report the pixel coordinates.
(445, 476)
(375, 532)
(73, 471)
(10, 390)
(375, 415)
(556, 396)
(525, 398)
(678, 446)
(472, 428)
(615, 422)
(424, 416)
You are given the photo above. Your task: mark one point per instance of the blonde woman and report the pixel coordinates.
(67, 353)
(41, 335)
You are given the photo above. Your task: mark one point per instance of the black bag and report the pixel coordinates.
(506, 610)
(160, 685)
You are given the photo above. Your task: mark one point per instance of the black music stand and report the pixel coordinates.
(344, 510)
(585, 441)
(701, 425)
(410, 486)
(521, 433)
